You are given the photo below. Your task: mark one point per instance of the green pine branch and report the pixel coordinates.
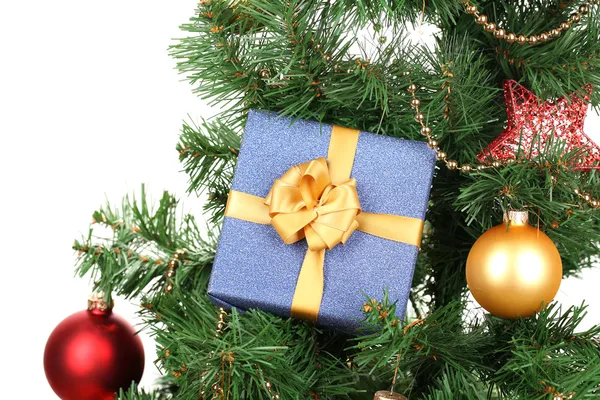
(256, 355)
(209, 153)
(128, 251)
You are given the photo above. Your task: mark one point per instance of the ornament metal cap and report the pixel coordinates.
(387, 395)
(516, 217)
(97, 302)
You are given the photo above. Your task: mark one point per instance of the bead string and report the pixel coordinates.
(448, 77)
(268, 385)
(274, 395)
(511, 37)
(217, 387)
(595, 203)
(172, 268)
(221, 322)
(466, 168)
(433, 143)
(228, 356)
(556, 395)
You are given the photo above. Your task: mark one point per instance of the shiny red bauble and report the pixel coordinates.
(91, 354)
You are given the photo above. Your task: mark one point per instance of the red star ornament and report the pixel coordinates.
(532, 122)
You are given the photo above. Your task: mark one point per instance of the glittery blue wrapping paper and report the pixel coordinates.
(253, 268)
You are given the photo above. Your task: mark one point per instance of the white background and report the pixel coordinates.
(90, 108)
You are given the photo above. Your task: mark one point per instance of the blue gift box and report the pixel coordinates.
(253, 268)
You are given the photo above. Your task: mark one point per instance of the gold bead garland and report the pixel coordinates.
(221, 322)
(227, 357)
(268, 385)
(448, 77)
(594, 203)
(172, 268)
(556, 395)
(432, 142)
(274, 395)
(510, 37)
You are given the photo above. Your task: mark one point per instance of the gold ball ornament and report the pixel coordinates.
(387, 395)
(514, 269)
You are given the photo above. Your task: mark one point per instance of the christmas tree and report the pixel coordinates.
(353, 64)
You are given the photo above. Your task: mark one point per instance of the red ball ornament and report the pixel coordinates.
(92, 354)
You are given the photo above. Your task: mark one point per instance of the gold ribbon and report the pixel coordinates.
(318, 201)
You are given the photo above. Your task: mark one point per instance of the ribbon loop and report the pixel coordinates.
(303, 203)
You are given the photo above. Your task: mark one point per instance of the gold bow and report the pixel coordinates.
(319, 202)
(304, 203)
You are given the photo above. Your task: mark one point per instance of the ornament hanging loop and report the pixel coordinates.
(97, 304)
(387, 395)
(516, 217)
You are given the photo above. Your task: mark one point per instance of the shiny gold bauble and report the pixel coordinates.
(387, 395)
(514, 269)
